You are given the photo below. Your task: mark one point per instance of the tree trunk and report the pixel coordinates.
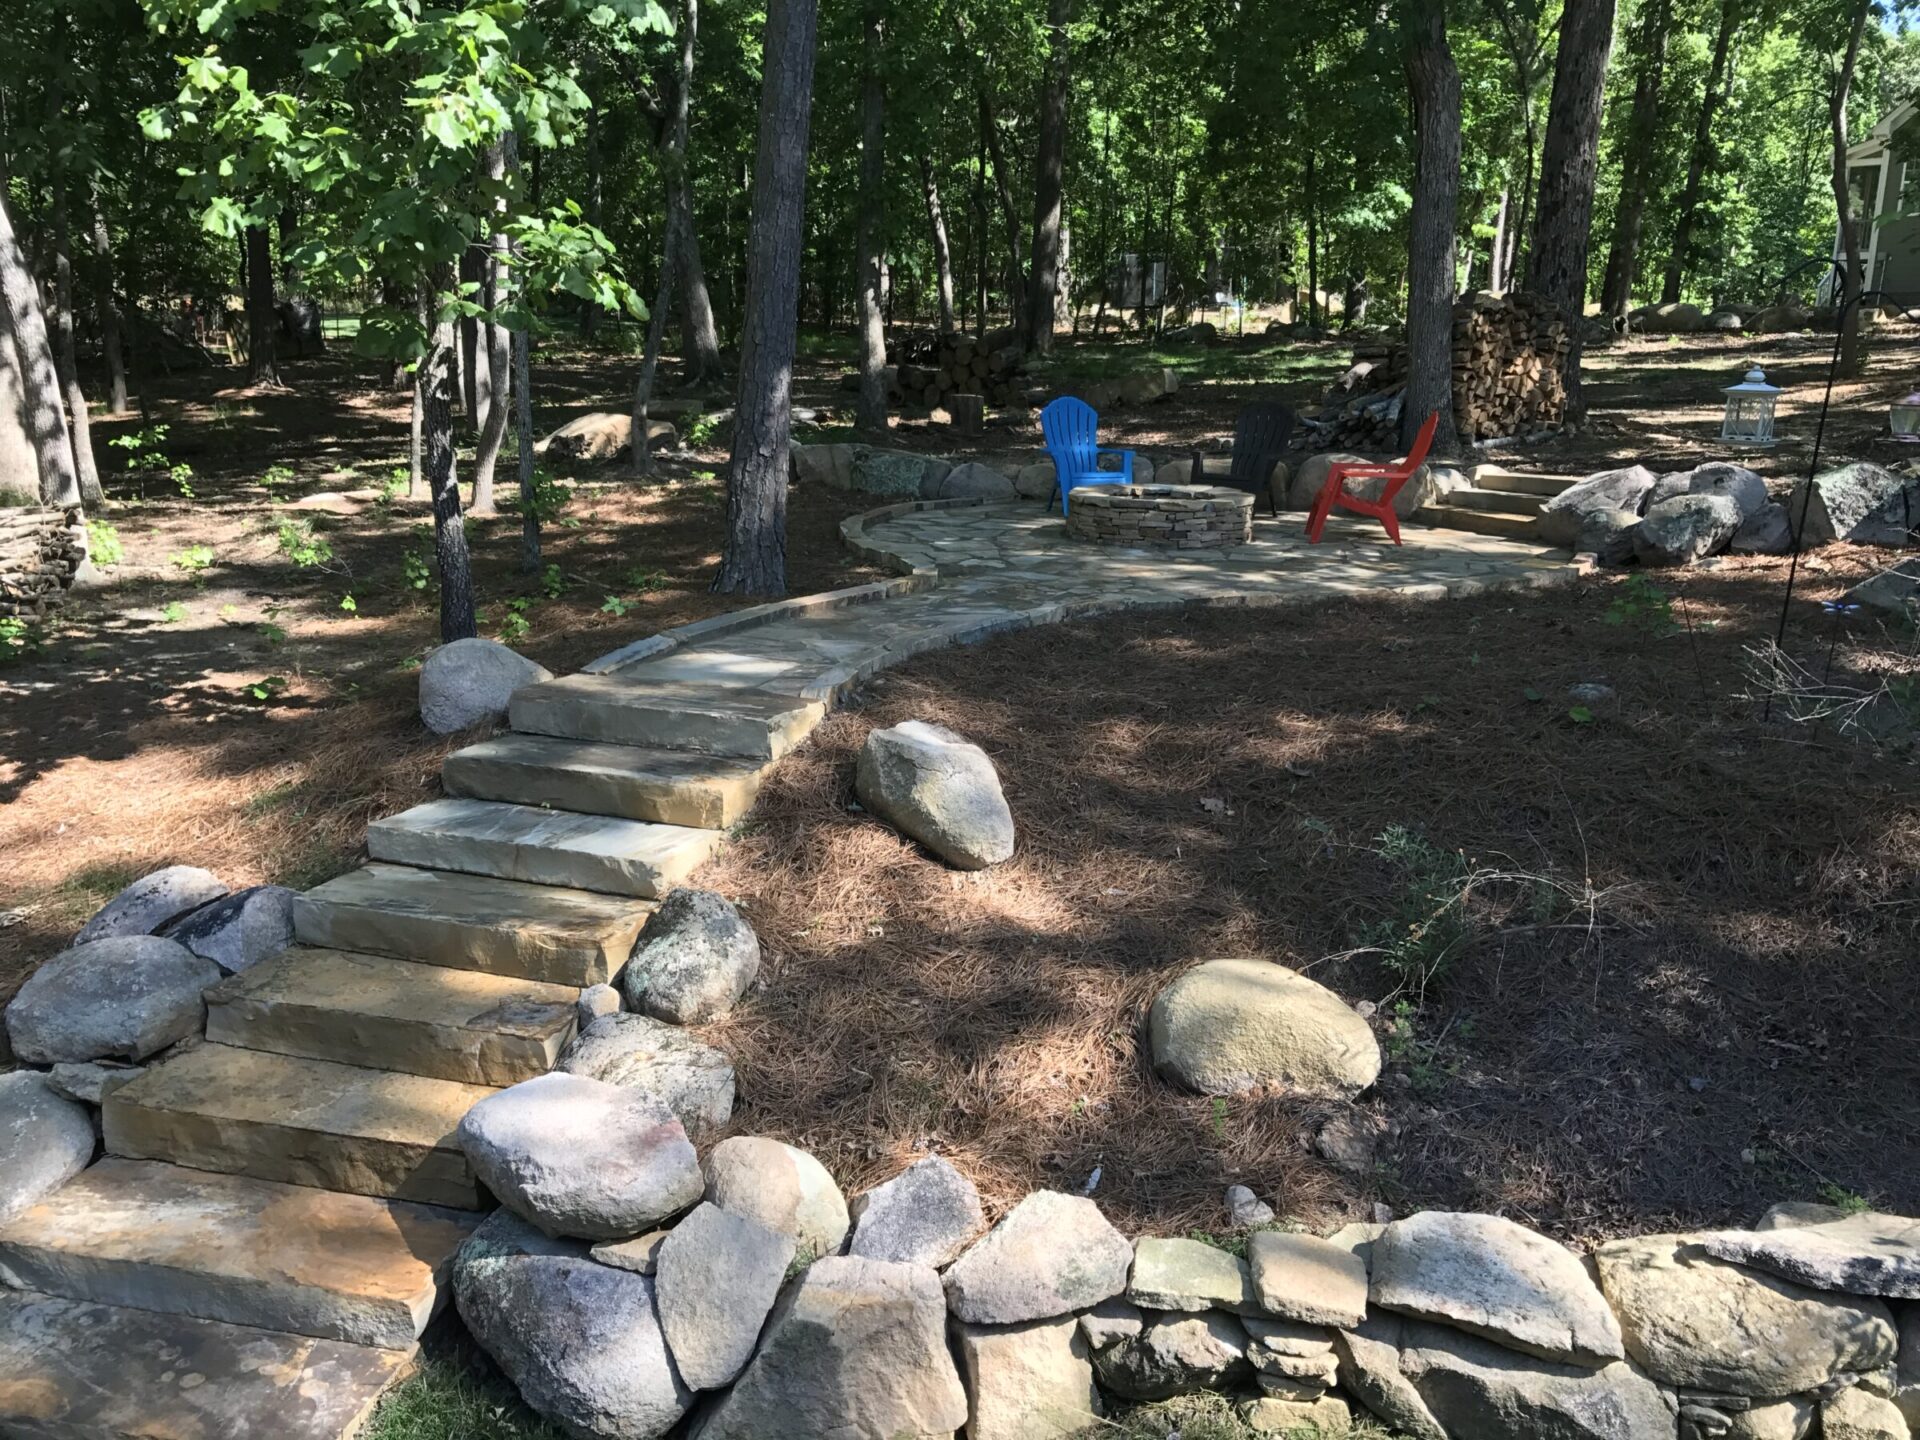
(262, 322)
(457, 620)
(39, 380)
(942, 253)
(471, 359)
(1003, 187)
(870, 407)
(423, 312)
(1496, 257)
(1049, 182)
(981, 281)
(523, 424)
(501, 157)
(590, 312)
(1435, 82)
(1701, 159)
(1557, 266)
(1313, 243)
(1637, 163)
(699, 336)
(639, 448)
(755, 561)
(65, 360)
(1854, 280)
(109, 308)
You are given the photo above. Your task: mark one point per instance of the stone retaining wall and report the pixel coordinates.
(1178, 517)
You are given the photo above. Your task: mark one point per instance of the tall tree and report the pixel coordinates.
(500, 160)
(262, 322)
(755, 560)
(700, 336)
(457, 618)
(870, 407)
(1049, 181)
(1637, 158)
(942, 252)
(1431, 270)
(108, 307)
(65, 359)
(1569, 162)
(39, 380)
(1700, 158)
(1853, 278)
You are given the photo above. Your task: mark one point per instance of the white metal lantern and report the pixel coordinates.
(1749, 419)
(1903, 418)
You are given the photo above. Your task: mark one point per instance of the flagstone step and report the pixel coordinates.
(1520, 482)
(544, 847)
(1505, 502)
(670, 787)
(72, 1370)
(160, 1237)
(1478, 522)
(472, 922)
(392, 1014)
(303, 1122)
(712, 719)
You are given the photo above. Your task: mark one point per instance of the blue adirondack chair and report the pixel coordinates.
(1072, 431)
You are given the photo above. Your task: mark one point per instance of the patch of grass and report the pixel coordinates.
(446, 1400)
(1843, 1198)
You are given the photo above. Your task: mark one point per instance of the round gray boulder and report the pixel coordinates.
(925, 1215)
(1685, 528)
(578, 1157)
(122, 999)
(687, 1075)
(939, 789)
(784, 1188)
(971, 481)
(1739, 484)
(239, 930)
(469, 682)
(151, 902)
(45, 1140)
(696, 957)
(1049, 1255)
(1230, 1026)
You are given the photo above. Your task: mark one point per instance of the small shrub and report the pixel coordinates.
(616, 605)
(194, 559)
(19, 638)
(1428, 917)
(513, 621)
(1643, 605)
(103, 543)
(173, 612)
(276, 476)
(553, 584)
(303, 545)
(267, 689)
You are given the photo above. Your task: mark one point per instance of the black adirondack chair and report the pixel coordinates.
(1259, 439)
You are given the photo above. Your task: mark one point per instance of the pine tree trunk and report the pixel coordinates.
(1003, 188)
(1700, 159)
(262, 322)
(422, 305)
(39, 380)
(870, 407)
(1435, 82)
(1854, 280)
(590, 312)
(1557, 266)
(639, 447)
(1637, 163)
(1049, 181)
(457, 618)
(700, 337)
(755, 561)
(110, 318)
(66, 361)
(471, 359)
(501, 157)
(523, 423)
(942, 253)
(1313, 243)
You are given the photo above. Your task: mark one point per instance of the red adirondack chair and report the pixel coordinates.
(1334, 492)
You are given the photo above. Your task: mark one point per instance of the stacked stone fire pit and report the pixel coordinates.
(1177, 517)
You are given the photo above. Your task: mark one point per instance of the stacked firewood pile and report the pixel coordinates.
(39, 552)
(934, 366)
(1509, 377)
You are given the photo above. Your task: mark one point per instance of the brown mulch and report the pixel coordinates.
(1728, 1025)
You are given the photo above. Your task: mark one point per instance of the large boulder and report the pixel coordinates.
(1027, 1382)
(939, 789)
(1495, 1278)
(1564, 516)
(1036, 481)
(1177, 1354)
(1050, 1255)
(827, 465)
(1698, 1323)
(1862, 503)
(1739, 484)
(1684, 529)
(717, 1275)
(122, 999)
(898, 473)
(1369, 1370)
(1607, 535)
(857, 1349)
(1182, 1274)
(239, 930)
(581, 1158)
(971, 481)
(783, 1188)
(925, 1215)
(151, 903)
(581, 1341)
(695, 958)
(1675, 318)
(469, 682)
(1306, 482)
(1307, 1280)
(1775, 319)
(1230, 1026)
(602, 436)
(1768, 531)
(1865, 1254)
(690, 1077)
(1855, 1414)
(45, 1140)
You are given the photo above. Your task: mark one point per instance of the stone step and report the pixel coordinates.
(1519, 482)
(71, 1370)
(472, 922)
(392, 1014)
(670, 787)
(712, 719)
(544, 847)
(304, 1122)
(1504, 502)
(248, 1252)
(1479, 522)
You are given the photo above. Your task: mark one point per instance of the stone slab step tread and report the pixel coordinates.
(153, 1236)
(1505, 502)
(632, 782)
(543, 847)
(628, 710)
(304, 1122)
(70, 1370)
(1478, 522)
(472, 922)
(390, 1014)
(1523, 483)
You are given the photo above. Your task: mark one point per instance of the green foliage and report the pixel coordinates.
(1842, 1198)
(144, 447)
(173, 612)
(304, 545)
(267, 689)
(194, 559)
(349, 604)
(103, 543)
(513, 618)
(1643, 605)
(1426, 918)
(416, 566)
(277, 476)
(553, 584)
(19, 638)
(616, 605)
(644, 580)
(447, 1400)
(548, 496)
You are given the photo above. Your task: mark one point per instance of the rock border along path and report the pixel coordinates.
(292, 1187)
